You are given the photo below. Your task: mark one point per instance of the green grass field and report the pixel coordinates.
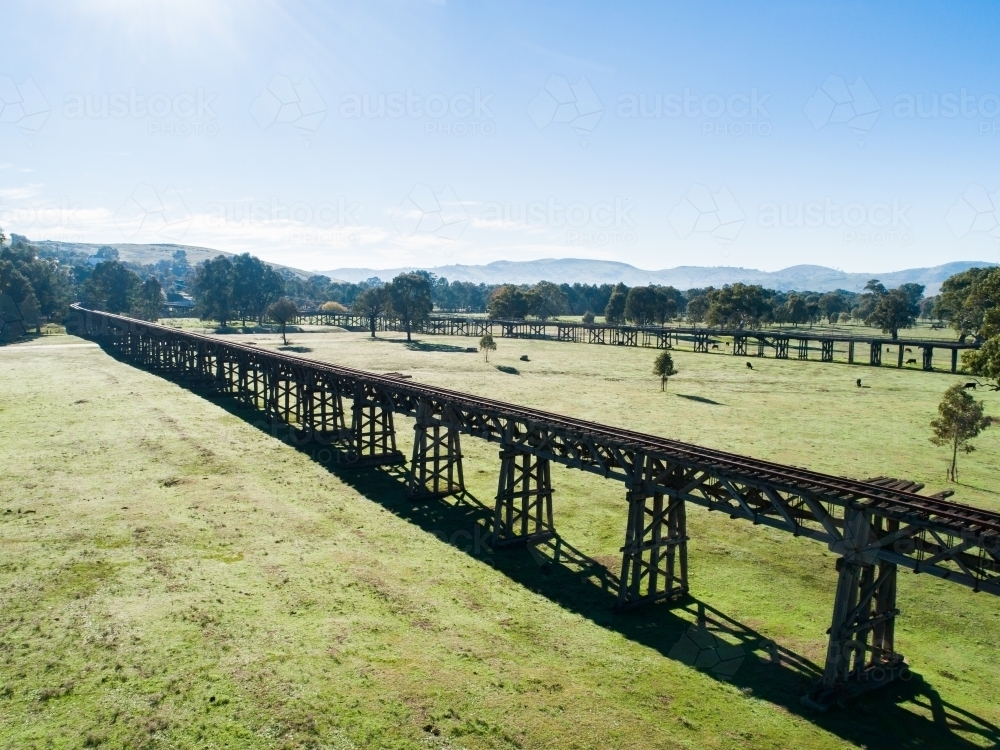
(173, 576)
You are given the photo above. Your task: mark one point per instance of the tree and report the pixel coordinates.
(961, 419)
(410, 299)
(831, 305)
(795, 310)
(487, 344)
(893, 310)
(914, 293)
(371, 303)
(333, 307)
(546, 300)
(213, 289)
(985, 361)
(614, 311)
(282, 311)
(588, 318)
(927, 306)
(664, 367)
(507, 303)
(50, 282)
(255, 286)
(17, 302)
(644, 305)
(697, 308)
(737, 305)
(111, 287)
(148, 303)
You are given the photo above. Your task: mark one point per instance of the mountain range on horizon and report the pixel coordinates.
(803, 277)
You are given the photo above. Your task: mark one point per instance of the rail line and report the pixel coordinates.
(875, 526)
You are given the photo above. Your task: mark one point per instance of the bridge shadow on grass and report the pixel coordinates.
(690, 631)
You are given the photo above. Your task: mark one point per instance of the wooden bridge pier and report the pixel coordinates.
(701, 342)
(928, 352)
(321, 410)
(436, 468)
(861, 654)
(654, 557)
(803, 348)
(826, 354)
(373, 433)
(875, 353)
(524, 499)
(740, 345)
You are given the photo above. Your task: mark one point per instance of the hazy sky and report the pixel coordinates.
(327, 134)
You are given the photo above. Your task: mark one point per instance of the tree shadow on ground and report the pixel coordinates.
(700, 399)
(690, 631)
(424, 346)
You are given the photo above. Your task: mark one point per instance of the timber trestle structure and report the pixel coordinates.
(875, 527)
(777, 343)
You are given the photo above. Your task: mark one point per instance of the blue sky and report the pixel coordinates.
(379, 134)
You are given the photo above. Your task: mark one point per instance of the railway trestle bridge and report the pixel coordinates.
(875, 527)
(742, 342)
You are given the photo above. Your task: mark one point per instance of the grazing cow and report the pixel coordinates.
(970, 385)
(911, 361)
(524, 358)
(715, 346)
(909, 350)
(749, 366)
(859, 382)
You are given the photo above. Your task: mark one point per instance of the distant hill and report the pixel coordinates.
(146, 254)
(578, 270)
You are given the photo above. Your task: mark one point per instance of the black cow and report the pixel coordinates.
(749, 366)
(911, 361)
(970, 385)
(859, 382)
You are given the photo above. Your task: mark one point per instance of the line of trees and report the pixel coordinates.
(35, 287)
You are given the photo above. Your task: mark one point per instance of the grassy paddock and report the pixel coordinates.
(171, 575)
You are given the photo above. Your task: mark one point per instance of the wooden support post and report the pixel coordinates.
(875, 353)
(899, 364)
(861, 651)
(739, 345)
(954, 359)
(654, 556)
(928, 358)
(850, 352)
(436, 468)
(803, 348)
(524, 499)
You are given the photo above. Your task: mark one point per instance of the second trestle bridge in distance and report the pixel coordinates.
(745, 342)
